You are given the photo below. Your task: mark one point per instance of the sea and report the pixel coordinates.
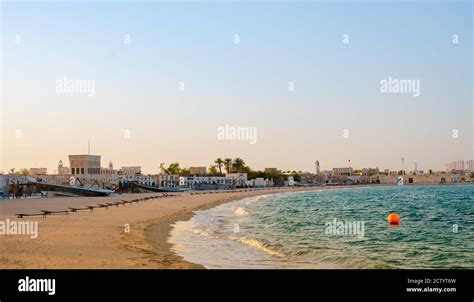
(337, 228)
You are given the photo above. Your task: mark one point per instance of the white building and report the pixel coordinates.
(342, 171)
(109, 175)
(192, 181)
(82, 165)
(470, 165)
(131, 171)
(146, 180)
(455, 165)
(237, 179)
(259, 182)
(370, 171)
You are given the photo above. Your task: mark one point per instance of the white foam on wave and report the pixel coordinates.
(204, 233)
(258, 245)
(251, 200)
(241, 211)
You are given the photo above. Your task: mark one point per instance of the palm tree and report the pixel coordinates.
(163, 168)
(219, 163)
(24, 172)
(238, 164)
(227, 164)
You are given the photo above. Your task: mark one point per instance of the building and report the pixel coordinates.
(131, 171)
(238, 179)
(326, 177)
(195, 181)
(470, 165)
(38, 172)
(259, 182)
(109, 175)
(370, 171)
(146, 180)
(85, 165)
(309, 178)
(342, 171)
(318, 168)
(423, 179)
(165, 180)
(87, 170)
(455, 166)
(198, 170)
(63, 170)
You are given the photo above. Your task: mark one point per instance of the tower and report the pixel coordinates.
(318, 169)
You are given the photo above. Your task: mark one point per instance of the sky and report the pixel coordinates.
(306, 76)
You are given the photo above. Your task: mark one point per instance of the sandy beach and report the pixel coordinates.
(99, 239)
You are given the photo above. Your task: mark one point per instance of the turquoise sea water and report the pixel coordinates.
(289, 230)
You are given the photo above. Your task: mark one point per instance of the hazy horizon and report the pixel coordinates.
(236, 62)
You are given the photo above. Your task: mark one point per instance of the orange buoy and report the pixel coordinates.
(393, 219)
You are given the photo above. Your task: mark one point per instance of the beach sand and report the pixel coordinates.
(99, 239)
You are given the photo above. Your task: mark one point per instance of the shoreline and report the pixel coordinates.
(98, 240)
(158, 234)
(189, 265)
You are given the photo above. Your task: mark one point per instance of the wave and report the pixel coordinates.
(204, 233)
(251, 200)
(258, 245)
(241, 211)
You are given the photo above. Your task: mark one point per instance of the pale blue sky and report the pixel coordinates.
(336, 85)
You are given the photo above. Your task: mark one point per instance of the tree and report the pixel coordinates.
(219, 163)
(24, 172)
(12, 171)
(163, 168)
(228, 164)
(213, 170)
(185, 171)
(238, 164)
(173, 169)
